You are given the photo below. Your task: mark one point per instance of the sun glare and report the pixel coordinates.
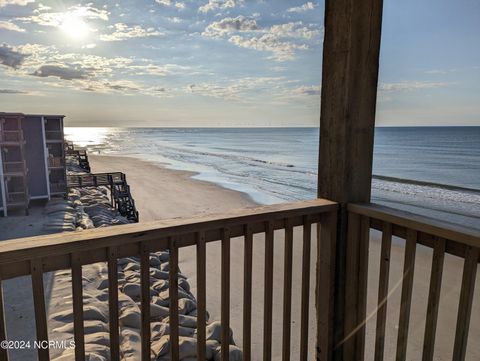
(74, 26)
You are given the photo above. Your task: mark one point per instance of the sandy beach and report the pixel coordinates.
(162, 193)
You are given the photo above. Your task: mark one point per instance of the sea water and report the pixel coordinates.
(434, 171)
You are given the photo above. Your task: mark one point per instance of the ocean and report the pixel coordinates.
(434, 171)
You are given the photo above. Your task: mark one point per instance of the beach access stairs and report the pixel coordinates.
(80, 155)
(120, 195)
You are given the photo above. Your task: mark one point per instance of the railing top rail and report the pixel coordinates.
(435, 227)
(95, 175)
(89, 179)
(23, 249)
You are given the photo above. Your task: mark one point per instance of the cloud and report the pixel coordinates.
(235, 90)
(305, 7)
(230, 25)
(126, 87)
(61, 71)
(279, 39)
(100, 67)
(178, 4)
(436, 71)
(11, 57)
(123, 31)
(12, 91)
(159, 70)
(219, 5)
(294, 30)
(44, 17)
(122, 86)
(7, 25)
(307, 90)
(15, 2)
(175, 20)
(406, 86)
(282, 50)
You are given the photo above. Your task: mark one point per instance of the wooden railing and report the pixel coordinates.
(95, 179)
(58, 187)
(54, 135)
(16, 197)
(13, 136)
(16, 167)
(55, 162)
(443, 238)
(37, 255)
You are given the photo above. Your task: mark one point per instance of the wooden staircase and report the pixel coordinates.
(80, 154)
(120, 195)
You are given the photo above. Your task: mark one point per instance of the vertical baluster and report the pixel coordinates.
(433, 299)
(383, 290)
(356, 286)
(77, 298)
(287, 291)
(325, 285)
(247, 294)
(201, 295)
(268, 302)
(362, 286)
(173, 295)
(351, 285)
(145, 300)
(225, 289)
(465, 304)
(36, 269)
(3, 333)
(307, 236)
(406, 298)
(113, 303)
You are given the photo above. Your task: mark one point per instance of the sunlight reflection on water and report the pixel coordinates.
(87, 136)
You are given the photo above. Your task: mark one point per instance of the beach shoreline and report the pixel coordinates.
(171, 187)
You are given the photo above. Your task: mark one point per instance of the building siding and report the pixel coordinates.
(35, 156)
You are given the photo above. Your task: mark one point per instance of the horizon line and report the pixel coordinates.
(265, 126)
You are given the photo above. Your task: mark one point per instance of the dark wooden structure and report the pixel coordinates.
(80, 156)
(120, 195)
(349, 91)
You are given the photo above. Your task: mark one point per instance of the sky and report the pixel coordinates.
(227, 62)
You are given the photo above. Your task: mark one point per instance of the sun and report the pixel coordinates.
(74, 26)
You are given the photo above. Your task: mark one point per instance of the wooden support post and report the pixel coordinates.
(349, 88)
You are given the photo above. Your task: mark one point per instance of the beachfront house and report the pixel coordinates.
(32, 162)
(337, 225)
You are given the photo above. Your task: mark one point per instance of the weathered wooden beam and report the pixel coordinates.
(349, 89)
